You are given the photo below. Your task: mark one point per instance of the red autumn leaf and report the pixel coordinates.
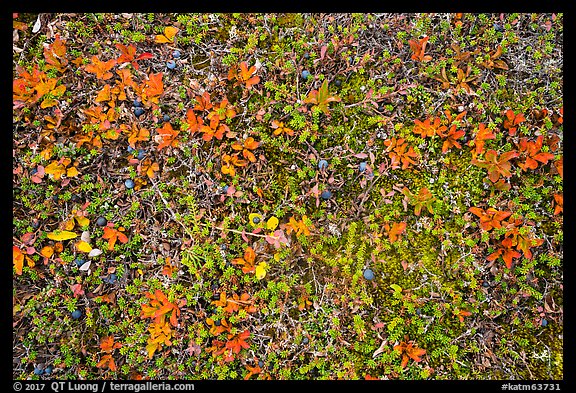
(77, 290)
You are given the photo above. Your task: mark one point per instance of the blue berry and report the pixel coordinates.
(111, 279)
(368, 274)
(33, 171)
(305, 74)
(338, 82)
(141, 154)
(544, 322)
(166, 118)
(171, 64)
(498, 27)
(48, 370)
(38, 370)
(176, 54)
(256, 220)
(260, 363)
(76, 314)
(305, 340)
(137, 103)
(326, 195)
(362, 166)
(306, 55)
(79, 262)
(129, 183)
(138, 111)
(225, 189)
(101, 222)
(130, 149)
(322, 164)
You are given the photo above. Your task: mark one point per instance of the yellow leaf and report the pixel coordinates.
(61, 235)
(151, 348)
(261, 270)
(272, 223)
(83, 246)
(72, 172)
(69, 225)
(56, 169)
(168, 37)
(82, 221)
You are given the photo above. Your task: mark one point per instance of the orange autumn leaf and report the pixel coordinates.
(107, 361)
(559, 199)
(418, 49)
(153, 88)
(244, 75)
(247, 262)
(128, 55)
(409, 351)
(112, 235)
(238, 342)
(168, 36)
(193, 122)
(203, 102)
(559, 165)
(452, 139)
(249, 144)
(55, 55)
(107, 344)
(483, 134)
(137, 134)
(489, 218)
(101, 68)
(496, 165)
(506, 251)
(395, 230)
(429, 127)
(512, 120)
(279, 129)
(148, 168)
(167, 136)
(17, 260)
(530, 150)
(400, 152)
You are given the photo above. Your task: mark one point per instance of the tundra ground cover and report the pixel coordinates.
(288, 196)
